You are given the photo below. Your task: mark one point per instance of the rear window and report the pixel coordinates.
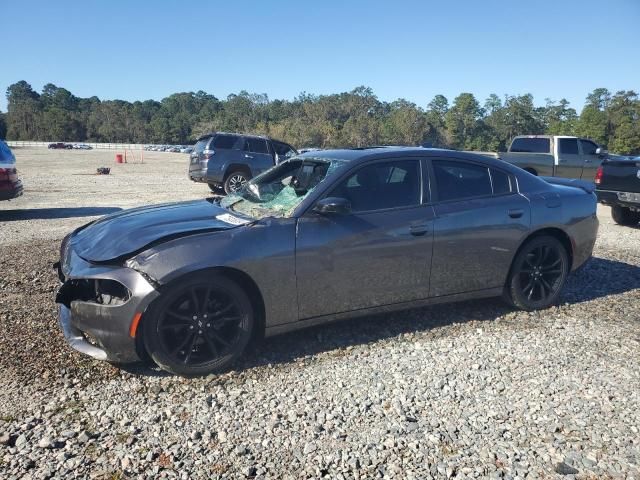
(256, 145)
(200, 145)
(568, 146)
(530, 145)
(225, 142)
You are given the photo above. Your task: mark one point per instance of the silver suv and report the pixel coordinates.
(228, 160)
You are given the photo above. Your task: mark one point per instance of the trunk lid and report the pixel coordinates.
(621, 175)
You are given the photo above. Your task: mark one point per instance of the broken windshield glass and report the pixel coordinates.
(278, 191)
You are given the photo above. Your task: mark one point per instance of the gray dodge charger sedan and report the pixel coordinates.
(322, 236)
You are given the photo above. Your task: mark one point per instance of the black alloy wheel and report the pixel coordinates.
(198, 326)
(538, 273)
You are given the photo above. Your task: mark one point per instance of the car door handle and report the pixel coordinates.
(418, 230)
(516, 212)
(248, 156)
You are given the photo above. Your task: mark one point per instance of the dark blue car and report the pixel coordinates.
(226, 161)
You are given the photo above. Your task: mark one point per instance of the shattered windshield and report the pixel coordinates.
(278, 191)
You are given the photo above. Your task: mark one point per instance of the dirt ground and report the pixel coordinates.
(62, 190)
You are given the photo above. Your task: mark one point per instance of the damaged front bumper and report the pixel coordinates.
(97, 306)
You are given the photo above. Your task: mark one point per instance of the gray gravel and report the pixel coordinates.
(469, 390)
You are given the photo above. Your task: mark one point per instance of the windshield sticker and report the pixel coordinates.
(226, 218)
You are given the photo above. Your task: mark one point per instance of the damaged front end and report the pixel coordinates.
(100, 306)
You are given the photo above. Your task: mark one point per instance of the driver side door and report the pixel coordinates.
(379, 254)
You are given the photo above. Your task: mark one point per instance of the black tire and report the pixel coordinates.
(538, 274)
(624, 215)
(198, 325)
(235, 180)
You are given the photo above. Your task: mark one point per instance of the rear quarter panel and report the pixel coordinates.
(571, 210)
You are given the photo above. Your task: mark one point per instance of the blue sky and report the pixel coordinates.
(410, 49)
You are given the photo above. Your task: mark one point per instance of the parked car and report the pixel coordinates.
(60, 145)
(318, 237)
(10, 184)
(186, 150)
(618, 185)
(82, 146)
(554, 155)
(228, 160)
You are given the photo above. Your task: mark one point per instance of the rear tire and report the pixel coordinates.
(624, 216)
(235, 181)
(538, 274)
(198, 325)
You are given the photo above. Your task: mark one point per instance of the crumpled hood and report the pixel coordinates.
(124, 233)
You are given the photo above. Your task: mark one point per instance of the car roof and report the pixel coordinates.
(235, 134)
(372, 153)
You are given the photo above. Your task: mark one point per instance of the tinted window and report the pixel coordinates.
(457, 180)
(530, 145)
(283, 149)
(256, 145)
(224, 141)
(588, 148)
(501, 182)
(568, 146)
(382, 185)
(199, 146)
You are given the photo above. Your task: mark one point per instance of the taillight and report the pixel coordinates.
(207, 154)
(4, 174)
(598, 177)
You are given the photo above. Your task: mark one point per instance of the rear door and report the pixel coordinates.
(480, 222)
(223, 151)
(570, 161)
(590, 159)
(257, 155)
(379, 254)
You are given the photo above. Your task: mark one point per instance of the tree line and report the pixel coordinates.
(349, 119)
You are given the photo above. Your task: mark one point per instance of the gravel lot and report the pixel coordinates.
(469, 390)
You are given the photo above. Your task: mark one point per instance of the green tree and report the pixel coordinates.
(461, 121)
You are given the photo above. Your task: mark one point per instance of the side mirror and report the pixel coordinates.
(333, 205)
(601, 152)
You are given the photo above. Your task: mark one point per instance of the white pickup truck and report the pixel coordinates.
(554, 156)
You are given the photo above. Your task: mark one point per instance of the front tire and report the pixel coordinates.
(199, 325)
(538, 274)
(624, 216)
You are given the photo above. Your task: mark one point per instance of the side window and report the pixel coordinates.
(501, 182)
(382, 185)
(588, 148)
(459, 180)
(283, 150)
(568, 146)
(225, 142)
(256, 145)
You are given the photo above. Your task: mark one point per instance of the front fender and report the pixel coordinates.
(264, 250)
